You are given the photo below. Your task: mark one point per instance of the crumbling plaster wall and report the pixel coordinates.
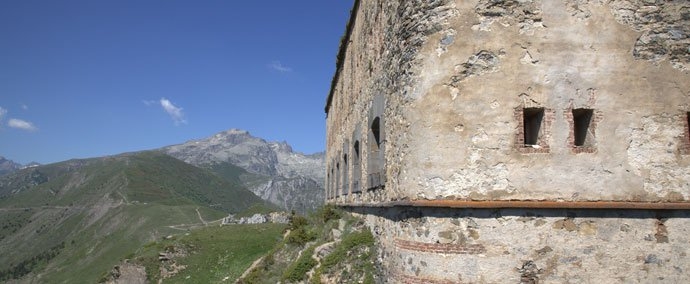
(531, 246)
(455, 74)
(380, 59)
(626, 60)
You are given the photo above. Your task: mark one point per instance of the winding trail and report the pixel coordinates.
(40, 207)
(200, 218)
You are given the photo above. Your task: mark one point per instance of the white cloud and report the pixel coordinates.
(3, 112)
(276, 65)
(175, 112)
(21, 124)
(149, 103)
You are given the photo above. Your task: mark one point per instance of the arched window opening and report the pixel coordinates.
(356, 151)
(356, 168)
(332, 187)
(346, 184)
(376, 131)
(337, 180)
(376, 143)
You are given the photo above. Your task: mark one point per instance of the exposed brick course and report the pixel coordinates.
(440, 248)
(408, 279)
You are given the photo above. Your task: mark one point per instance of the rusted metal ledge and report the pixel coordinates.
(536, 204)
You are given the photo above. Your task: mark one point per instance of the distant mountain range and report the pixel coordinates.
(9, 166)
(70, 222)
(274, 172)
(291, 180)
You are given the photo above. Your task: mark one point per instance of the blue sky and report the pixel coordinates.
(91, 78)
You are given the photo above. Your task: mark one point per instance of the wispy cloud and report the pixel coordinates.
(21, 124)
(3, 112)
(149, 103)
(175, 112)
(25, 107)
(276, 65)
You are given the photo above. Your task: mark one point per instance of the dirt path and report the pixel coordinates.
(200, 218)
(39, 207)
(251, 267)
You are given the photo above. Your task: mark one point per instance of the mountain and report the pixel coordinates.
(72, 221)
(275, 172)
(8, 166)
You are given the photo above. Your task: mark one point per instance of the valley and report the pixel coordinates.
(84, 216)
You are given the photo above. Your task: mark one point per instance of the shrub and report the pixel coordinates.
(297, 221)
(298, 270)
(301, 236)
(329, 212)
(363, 238)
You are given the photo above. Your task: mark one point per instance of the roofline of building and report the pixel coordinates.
(340, 59)
(526, 204)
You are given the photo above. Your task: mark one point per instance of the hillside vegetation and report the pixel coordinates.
(69, 222)
(205, 255)
(327, 247)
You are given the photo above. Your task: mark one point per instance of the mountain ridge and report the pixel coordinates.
(88, 214)
(292, 180)
(8, 166)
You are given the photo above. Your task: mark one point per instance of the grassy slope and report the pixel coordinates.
(351, 259)
(215, 253)
(97, 211)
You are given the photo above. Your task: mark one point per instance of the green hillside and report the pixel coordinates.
(69, 222)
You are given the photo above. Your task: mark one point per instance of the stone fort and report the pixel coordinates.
(516, 141)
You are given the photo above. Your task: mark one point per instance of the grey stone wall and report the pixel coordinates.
(457, 75)
(462, 81)
(531, 246)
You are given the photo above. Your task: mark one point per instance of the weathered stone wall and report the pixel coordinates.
(462, 83)
(531, 246)
(556, 55)
(456, 76)
(380, 59)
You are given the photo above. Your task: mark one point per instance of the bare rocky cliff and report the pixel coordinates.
(289, 179)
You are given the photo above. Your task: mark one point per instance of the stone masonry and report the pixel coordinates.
(530, 141)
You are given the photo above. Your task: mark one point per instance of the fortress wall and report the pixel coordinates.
(378, 64)
(626, 61)
(533, 246)
(455, 78)
(455, 82)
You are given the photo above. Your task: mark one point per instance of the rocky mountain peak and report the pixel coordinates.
(8, 166)
(281, 147)
(291, 177)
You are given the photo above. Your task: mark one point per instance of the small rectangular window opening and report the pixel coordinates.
(532, 119)
(582, 119)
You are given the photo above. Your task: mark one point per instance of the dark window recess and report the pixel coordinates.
(376, 130)
(582, 119)
(356, 169)
(688, 125)
(332, 189)
(337, 180)
(375, 156)
(532, 120)
(356, 151)
(346, 184)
